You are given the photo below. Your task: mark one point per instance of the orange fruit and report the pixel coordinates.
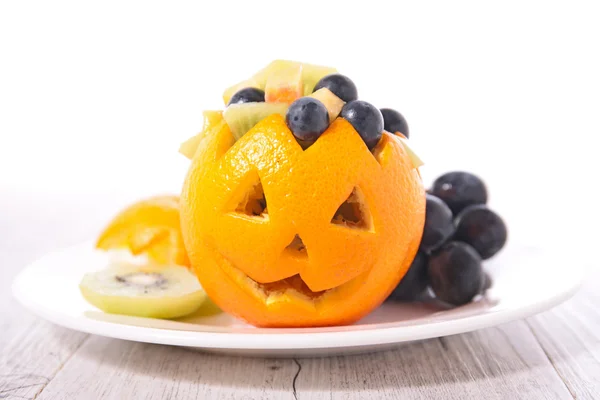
(282, 237)
(151, 227)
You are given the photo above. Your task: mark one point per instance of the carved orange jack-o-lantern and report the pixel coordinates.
(281, 236)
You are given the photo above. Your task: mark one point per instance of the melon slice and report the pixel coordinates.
(284, 85)
(333, 103)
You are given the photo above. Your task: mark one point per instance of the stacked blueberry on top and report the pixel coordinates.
(308, 117)
(460, 232)
(310, 98)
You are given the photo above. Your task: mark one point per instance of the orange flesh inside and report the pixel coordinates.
(254, 203)
(292, 283)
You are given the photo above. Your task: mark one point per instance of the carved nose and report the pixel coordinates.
(296, 248)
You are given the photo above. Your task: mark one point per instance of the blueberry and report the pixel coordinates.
(459, 190)
(414, 284)
(394, 122)
(439, 225)
(455, 273)
(247, 95)
(339, 85)
(307, 118)
(481, 228)
(366, 120)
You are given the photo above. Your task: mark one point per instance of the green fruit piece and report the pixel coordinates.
(414, 158)
(144, 291)
(242, 117)
(333, 103)
(311, 74)
(274, 68)
(212, 120)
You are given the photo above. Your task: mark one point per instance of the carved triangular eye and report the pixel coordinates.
(251, 198)
(354, 212)
(297, 248)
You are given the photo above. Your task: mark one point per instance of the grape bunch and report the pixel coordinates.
(460, 232)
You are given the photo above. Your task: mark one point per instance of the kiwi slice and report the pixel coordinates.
(242, 117)
(144, 291)
(333, 103)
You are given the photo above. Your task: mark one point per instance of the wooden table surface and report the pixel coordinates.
(554, 355)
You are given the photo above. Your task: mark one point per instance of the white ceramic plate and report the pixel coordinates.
(527, 280)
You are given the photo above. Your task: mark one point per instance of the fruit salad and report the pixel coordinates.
(289, 215)
(289, 210)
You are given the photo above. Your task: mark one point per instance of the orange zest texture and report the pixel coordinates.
(285, 237)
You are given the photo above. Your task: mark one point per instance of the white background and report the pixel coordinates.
(95, 98)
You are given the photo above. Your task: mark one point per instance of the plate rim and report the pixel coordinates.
(297, 340)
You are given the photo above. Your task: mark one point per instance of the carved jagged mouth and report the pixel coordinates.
(284, 289)
(293, 285)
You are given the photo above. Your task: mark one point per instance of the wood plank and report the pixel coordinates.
(32, 351)
(570, 336)
(116, 369)
(496, 363)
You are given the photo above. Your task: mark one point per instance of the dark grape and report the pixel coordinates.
(459, 190)
(439, 225)
(481, 228)
(455, 273)
(414, 284)
(394, 122)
